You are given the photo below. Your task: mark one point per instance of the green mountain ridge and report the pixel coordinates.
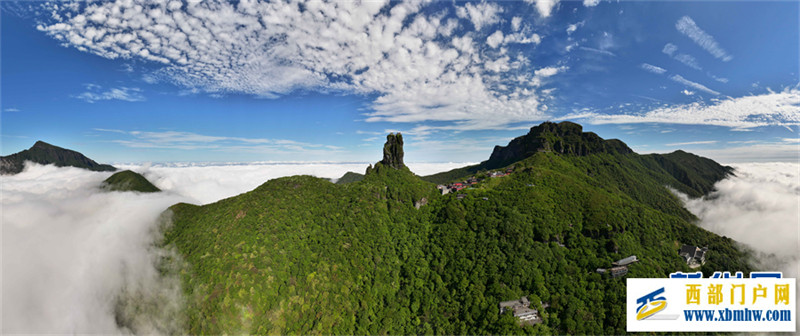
(127, 180)
(391, 255)
(350, 177)
(45, 153)
(686, 172)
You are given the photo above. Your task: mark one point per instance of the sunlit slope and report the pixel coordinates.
(303, 255)
(689, 173)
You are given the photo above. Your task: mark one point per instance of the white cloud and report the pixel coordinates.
(95, 93)
(770, 109)
(688, 60)
(687, 92)
(394, 51)
(516, 23)
(652, 68)
(757, 207)
(192, 141)
(669, 49)
(762, 152)
(591, 3)
(795, 140)
(599, 51)
(522, 38)
(545, 7)
(495, 39)
(11, 109)
(208, 183)
(698, 86)
(573, 27)
(549, 71)
(708, 142)
(688, 27)
(481, 15)
(719, 79)
(70, 251)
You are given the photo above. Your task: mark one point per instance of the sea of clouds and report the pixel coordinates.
(759, 207)
(76, 259)
(207, 183)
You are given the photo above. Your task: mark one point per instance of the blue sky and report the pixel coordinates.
(122, 81)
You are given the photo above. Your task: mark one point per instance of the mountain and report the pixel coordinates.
(564, 138)
(45, 153)
(392, 157)
(683, 171)
(391, 255)
(127, 180)
(350, 177)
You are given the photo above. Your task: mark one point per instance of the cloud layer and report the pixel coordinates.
(95, 93)
(73, 255)
(190, 141)
(688, 27)
(759, 208)
(208, 183)
(421, 64)
(774, 108)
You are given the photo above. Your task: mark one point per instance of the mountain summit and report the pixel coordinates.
(563, 138)
(45, 153)
(127, 180)
(392, 157)
(393, 151)
(686, 172)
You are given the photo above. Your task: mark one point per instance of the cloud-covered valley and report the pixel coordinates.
(71, 251)
(759, 207)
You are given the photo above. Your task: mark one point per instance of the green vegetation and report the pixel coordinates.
(127, 180)
(686, 172)
(44, 153)
(390, 255)
(350, 177)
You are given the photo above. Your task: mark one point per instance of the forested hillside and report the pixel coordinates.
(390, 255)
(127, 180)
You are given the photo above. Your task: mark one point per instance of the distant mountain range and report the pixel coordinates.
(45, 153)
(388, 253)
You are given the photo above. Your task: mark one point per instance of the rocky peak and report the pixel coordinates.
(42, 145)
(393, 151)
(564, 138)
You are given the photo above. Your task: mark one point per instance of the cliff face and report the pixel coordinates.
(563, 138)
(393, 151)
